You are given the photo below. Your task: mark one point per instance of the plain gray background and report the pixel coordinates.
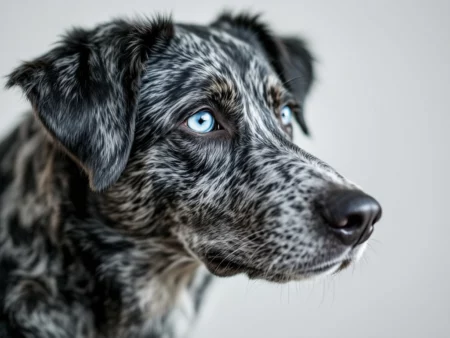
(379, 113)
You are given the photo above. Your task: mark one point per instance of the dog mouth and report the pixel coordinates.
(224, 267)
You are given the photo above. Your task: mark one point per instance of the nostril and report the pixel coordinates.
(351, 221)
(355, 221)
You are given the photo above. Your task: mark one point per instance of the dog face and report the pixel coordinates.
(186, 132)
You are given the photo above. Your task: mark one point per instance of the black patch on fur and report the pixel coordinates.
(7, 330)
(6, 146)
(7, 265)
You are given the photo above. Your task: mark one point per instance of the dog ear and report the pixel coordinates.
(289, 56)
(85, 92)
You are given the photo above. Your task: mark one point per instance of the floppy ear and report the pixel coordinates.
(85, 92)
(289, 56)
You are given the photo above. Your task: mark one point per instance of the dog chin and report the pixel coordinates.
(323, 270)
(226, 268)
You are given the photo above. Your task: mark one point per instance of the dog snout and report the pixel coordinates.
(351, 215)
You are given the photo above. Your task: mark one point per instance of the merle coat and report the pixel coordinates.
(114, 215)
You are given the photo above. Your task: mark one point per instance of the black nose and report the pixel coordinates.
(351, 215)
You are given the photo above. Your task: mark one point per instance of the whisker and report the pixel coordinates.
(371, 248)
(243, 247)
(374, 240)
(293, 79)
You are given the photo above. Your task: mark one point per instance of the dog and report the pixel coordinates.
(159, 155)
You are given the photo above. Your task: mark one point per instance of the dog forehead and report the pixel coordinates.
(212, 51)
(207, 63)
(203, 38)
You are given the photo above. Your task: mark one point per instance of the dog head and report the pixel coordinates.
(186, 133)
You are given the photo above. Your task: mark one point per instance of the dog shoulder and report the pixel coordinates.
(35, 289)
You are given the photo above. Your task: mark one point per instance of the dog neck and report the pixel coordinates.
(153, 288)
(157, 285)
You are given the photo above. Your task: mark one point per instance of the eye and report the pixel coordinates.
(286, 115)
(201, 122)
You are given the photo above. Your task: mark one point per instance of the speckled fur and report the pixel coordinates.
(110, 208)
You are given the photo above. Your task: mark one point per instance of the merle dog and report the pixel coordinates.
(155, 150)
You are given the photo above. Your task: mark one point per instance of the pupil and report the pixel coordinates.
(202, 119)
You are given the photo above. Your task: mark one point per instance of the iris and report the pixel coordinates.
(201, 122)
(286, 115)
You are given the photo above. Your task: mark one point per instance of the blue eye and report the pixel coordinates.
(201, 122)
(286, 115)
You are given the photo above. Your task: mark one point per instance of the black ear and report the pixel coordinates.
(85, 92)
(289, 56)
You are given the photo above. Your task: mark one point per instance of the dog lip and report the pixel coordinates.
(345, 264)
(223, 267)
